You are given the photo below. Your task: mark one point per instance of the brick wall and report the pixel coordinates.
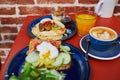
(13, 13)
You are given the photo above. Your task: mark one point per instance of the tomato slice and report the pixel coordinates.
(55, 43)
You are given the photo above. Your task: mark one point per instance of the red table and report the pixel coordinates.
(100, 69)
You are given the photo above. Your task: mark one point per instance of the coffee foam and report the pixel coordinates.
(103, 33)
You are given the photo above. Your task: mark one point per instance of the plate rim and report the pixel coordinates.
(86, 62)
(49, 16)
(93, 56)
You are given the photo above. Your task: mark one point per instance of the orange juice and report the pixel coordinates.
(84, 22)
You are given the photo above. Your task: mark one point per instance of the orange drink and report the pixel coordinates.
(84, 22)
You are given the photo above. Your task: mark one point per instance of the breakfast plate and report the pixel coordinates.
(68, 34)
(79, 70)
(112, 53)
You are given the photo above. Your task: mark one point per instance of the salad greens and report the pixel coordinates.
(32, 73)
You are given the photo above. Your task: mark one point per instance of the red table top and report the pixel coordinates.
(100, 69)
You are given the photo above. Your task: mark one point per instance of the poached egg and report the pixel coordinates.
(46, 49)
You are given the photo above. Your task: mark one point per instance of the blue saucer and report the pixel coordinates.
(112, 53)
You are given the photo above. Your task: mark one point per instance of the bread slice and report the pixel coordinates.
(64, 67)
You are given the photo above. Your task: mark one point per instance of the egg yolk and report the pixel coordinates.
(47, 54)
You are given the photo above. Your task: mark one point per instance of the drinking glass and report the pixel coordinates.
(57, 13)
(85, 20)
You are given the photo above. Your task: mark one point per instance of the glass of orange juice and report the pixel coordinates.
(85, 20)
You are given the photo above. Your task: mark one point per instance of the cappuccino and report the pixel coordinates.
(103, 33)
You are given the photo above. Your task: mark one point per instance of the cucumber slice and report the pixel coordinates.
(64, 48)
(56, 28)
(35, 64)
(63, 58)
(66, 58)
(58, 61)
(32, 57)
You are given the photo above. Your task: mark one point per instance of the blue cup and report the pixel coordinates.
(102, 38)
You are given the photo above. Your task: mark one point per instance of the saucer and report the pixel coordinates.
(112, 53)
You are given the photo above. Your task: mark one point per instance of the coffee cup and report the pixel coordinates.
(103, 38)
(105, 8)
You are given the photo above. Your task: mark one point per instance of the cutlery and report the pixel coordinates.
(87, 48)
